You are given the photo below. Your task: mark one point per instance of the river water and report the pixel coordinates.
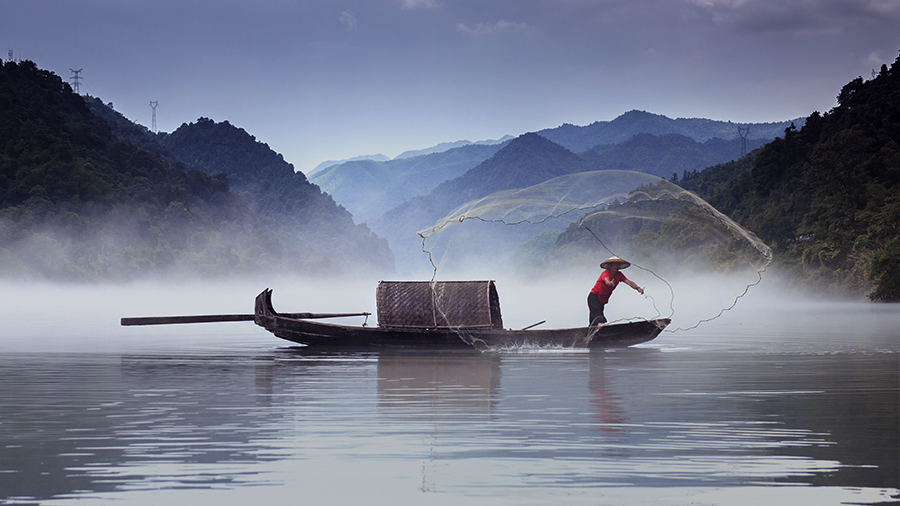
(780, 402)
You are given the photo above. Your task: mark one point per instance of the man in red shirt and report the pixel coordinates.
(608, 281)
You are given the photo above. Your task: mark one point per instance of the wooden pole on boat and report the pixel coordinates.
(535, 324)
(210, 318)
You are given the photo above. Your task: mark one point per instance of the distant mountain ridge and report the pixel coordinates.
(532, 159)
(438, 148)
(666, 155)
(524, 161)
(368, 189)
(582, 138)
(445, 146)
(330, 163)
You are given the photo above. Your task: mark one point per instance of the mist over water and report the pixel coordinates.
(781, 399)
(67, 313)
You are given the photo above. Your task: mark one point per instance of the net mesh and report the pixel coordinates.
(695, 261)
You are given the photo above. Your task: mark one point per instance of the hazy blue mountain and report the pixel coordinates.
(525, 161)
(532, 159)
(665, 155)
(517, 228)
(582, 138)
(439, 148)
(329, 163)
(444, 146)
(368, 188)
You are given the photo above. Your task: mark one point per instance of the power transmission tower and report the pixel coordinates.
(743, 132)
(153, 104)
(76, 80)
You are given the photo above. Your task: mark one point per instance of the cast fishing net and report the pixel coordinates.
(545, 243)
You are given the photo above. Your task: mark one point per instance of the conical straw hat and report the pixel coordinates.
(615, 260)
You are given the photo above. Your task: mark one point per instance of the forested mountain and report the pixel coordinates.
(128, 131)
(367, 188)
(294, 210)
(826, 197)
(76, 202)
(582, 138)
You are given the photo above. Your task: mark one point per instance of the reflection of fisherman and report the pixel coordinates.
(609, 279)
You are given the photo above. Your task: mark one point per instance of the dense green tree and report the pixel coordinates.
(825, 196)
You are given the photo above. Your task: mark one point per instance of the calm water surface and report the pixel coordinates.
(785, 404)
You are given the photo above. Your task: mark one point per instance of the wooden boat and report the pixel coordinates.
(479, 336)
(423, 314)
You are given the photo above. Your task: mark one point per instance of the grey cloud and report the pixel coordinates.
(800, 16)
(420, 4)
(501, 26)
(348, 20)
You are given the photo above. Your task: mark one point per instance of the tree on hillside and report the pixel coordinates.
(310, 224)
(79, 200)
(826, 196)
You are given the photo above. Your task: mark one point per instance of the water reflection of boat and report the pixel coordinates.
(453, 315)
(427, 384)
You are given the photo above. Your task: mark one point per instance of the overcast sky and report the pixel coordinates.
(323, 80)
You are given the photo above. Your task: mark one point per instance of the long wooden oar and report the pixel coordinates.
(210, 318)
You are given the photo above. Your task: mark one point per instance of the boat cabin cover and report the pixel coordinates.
(439, 304)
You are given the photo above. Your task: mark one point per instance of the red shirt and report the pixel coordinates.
(603, 290)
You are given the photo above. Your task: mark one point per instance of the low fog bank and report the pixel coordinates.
(55, 317)
(124, 245)
(74, 317)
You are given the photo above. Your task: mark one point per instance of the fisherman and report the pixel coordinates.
(609, 279)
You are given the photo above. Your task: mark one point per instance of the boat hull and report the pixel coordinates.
(323, 334)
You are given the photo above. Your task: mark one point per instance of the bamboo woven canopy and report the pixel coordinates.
(439, 304)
